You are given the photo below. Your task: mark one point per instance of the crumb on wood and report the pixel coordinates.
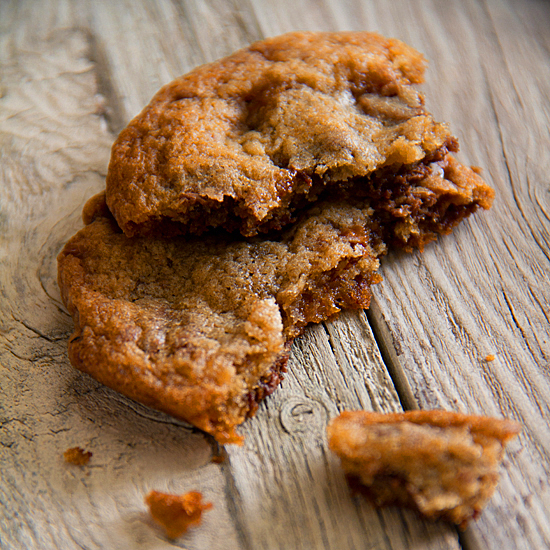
(490, 357)
(218, 458)
(176, 513)
(77, 456)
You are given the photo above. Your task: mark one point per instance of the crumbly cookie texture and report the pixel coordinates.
(442, 463)
(176, 513)
(200, 327)
(245, 142)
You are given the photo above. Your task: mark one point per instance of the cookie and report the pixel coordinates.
(248, 141)
(443, 464)
(201, 327)
(318, 141)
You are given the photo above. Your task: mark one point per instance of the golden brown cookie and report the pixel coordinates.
(245, 142)
(200, 327)
(443, 464)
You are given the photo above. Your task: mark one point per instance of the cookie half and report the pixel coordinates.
(201, 328)
(247, 141)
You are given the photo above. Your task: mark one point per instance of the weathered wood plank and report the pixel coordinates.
(438, 314)
(480, 291)
(439, 345)
(296, 496)
(253, 484)
(55, 147)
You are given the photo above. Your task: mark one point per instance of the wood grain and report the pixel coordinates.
(297, 496)
(55, 148)
(73, 74)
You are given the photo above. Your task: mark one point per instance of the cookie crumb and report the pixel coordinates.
(490, 357)
(77, 456)
(176, 513)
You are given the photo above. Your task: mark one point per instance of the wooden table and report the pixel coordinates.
(73, 74)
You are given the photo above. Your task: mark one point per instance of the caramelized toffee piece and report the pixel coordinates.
(444, 464)
(200, 328)
(243, 142)
(176, 513)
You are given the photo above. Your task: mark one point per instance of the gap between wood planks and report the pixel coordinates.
(388, 350)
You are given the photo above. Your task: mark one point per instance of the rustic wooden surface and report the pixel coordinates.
(73, 74)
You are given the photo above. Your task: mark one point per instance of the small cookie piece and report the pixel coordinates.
(245, 142)
(77, 456)
(444, 464)
(176, 513)
(200, 328)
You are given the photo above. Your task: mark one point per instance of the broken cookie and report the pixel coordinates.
(317, 140)
(245, 142)
(443, 464)
(201, 327)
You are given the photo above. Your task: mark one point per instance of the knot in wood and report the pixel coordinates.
(299, 415)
